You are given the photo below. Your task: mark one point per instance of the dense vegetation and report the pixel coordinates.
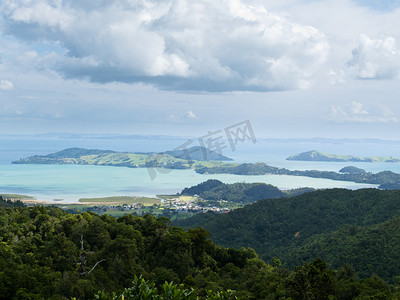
(46, 253)
(341, 226)
(201, 187)
(242, 193)
(386, 179)
(9, 203)
(352, 170)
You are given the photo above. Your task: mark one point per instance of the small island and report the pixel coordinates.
(315, 155)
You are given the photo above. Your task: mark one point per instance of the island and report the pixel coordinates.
(315, 155)
(176, 159)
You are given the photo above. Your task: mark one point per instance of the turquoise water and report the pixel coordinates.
(71, 182)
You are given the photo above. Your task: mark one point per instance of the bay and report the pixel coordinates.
(71, 182)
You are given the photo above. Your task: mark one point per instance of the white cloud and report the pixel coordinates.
(190, 115)
(355, 112)
(187, 116)
(376, 58)
(6, 85)
(175, 44)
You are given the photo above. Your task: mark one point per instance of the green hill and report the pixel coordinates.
(46, 253)
(197, 157)
(352, 170)
(197, 153)
(324, 223)
(214, 191)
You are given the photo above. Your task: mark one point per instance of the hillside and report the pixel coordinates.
(320, 223)
(314, 155)
(352, 170)
(197, 153)
(172, 159)
(214, 191)
(47, 253)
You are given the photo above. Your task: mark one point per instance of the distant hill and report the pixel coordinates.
(240, 193)
(198, 156)
(352, 170)
(341, 226)
(197, 153)
(314, 155)
(385, 179)
(76, 153)
(201, 187)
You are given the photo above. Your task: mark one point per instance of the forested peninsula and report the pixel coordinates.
(385, 179)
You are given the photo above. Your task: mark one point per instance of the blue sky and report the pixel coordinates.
(325, 68)
(386, 5)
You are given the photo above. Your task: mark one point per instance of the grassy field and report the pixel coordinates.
(186, 198)
(167, 197)
(180, 198)
(118, 200)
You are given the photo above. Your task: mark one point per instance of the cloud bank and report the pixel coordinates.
(376, 58)
(355, 112)
(174, 44)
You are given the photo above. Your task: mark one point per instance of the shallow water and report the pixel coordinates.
(71, 182)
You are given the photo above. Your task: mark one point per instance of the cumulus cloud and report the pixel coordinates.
(174, 44)
(190, 115)
(187, 116)
(376, 58)
(6, 85)
(355, 112)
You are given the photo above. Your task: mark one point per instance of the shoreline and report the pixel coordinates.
(45, 202)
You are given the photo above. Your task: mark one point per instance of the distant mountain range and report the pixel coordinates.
(177, 159)
(314, 155)
(101, 136)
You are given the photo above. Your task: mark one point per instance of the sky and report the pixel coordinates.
(292, 68)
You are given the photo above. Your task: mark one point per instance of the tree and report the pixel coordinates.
(311, 282)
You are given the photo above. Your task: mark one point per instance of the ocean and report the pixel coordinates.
(72, 182)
